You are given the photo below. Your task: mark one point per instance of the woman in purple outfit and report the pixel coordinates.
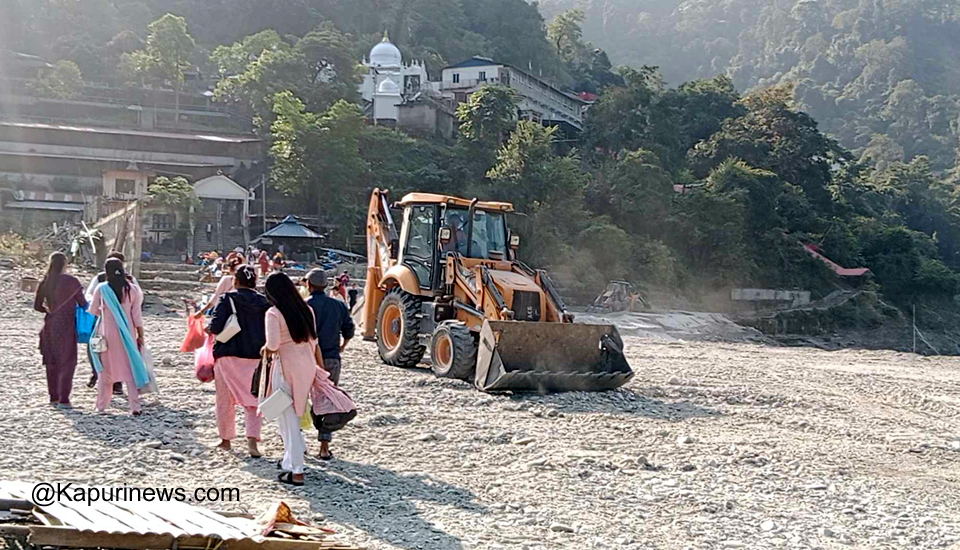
(57, 297)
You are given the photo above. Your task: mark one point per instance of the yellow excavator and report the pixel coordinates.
(448, 278)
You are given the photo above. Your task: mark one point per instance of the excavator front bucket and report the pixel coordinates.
(550, 357)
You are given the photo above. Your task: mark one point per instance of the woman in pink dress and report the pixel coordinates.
(116, 364)
(291, 334)
(238, 358)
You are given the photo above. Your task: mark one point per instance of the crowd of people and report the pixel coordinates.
(292, 340)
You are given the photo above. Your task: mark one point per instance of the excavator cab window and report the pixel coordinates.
(487, 238)
(419, 241)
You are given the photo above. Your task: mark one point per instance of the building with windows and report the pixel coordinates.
(538, 99)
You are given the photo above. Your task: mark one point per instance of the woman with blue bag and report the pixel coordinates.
(118, 341)
(59, 296)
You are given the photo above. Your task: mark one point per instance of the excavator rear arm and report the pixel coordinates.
(382, 238)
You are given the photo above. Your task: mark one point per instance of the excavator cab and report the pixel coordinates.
(455, 286)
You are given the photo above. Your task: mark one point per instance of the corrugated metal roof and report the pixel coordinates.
(148, 518)
(46, 205)
(137, 524)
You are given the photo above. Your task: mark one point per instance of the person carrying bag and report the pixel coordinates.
(117, 303)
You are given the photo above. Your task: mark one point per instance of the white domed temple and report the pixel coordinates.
(389, 80)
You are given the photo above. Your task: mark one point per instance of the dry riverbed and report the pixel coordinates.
(712, 445)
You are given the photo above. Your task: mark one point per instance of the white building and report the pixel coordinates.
(388, 80)
(538, 99)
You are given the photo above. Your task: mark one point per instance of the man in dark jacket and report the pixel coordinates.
(333, 322)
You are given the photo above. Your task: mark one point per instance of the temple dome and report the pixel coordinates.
(388, 87)
(385, 54)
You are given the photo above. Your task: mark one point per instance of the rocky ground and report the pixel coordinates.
(712, 445)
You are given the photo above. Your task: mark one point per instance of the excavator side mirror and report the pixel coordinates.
(445, 234)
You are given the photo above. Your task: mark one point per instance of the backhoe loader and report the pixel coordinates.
(448, 278)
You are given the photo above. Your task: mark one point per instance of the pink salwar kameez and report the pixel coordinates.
(233, 377)
(116, 365)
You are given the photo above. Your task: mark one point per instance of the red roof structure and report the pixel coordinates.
(836, 268)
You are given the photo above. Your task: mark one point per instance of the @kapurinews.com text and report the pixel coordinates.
(49, 493)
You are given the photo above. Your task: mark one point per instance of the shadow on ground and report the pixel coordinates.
(362, 495)
(117, 426)
(621, 401)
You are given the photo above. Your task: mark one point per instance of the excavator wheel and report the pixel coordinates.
(453, 351)
(398, 327)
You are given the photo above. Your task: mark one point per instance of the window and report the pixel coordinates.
(418, 252)
(456, 78)
(483, 76)
(489, 233)
(460, 97)
(162, 222)
(126, 187)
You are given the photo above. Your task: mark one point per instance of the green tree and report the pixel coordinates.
(317, 157)
(707, 229)
(319, 69)
(167, 53)
(486, 120)
(233, 59)
(175, 193)
(773, 136)
(635, 191)
(64, 81)
(545, 186)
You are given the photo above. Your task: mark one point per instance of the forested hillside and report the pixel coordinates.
(882, 76)
(758, 176)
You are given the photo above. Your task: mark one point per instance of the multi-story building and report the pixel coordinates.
(538, 99)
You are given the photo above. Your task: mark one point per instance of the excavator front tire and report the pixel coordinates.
(453, 352)
(398, 327)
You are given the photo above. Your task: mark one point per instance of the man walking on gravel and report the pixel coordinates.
(333, 322)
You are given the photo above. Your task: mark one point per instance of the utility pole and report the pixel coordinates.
(914, 328)
(263, 185)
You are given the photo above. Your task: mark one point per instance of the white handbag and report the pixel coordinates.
(232, 328)
(151, 386)
(272, 407)
(278, 401)
(98, 344)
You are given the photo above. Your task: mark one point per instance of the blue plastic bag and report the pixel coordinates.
(86, 322)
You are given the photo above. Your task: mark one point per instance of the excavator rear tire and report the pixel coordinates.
(453, 351)
(398, 329)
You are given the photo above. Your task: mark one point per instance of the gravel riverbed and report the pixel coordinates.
(711, 445)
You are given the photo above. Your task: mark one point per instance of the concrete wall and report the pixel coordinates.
(424, 118)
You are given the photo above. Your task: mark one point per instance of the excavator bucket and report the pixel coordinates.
(550, 357)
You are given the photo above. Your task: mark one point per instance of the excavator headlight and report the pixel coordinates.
(445, 234)
(514, 241)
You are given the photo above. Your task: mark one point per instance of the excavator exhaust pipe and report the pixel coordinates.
(550, 357)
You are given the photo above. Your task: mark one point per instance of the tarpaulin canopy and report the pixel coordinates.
(290, 228)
